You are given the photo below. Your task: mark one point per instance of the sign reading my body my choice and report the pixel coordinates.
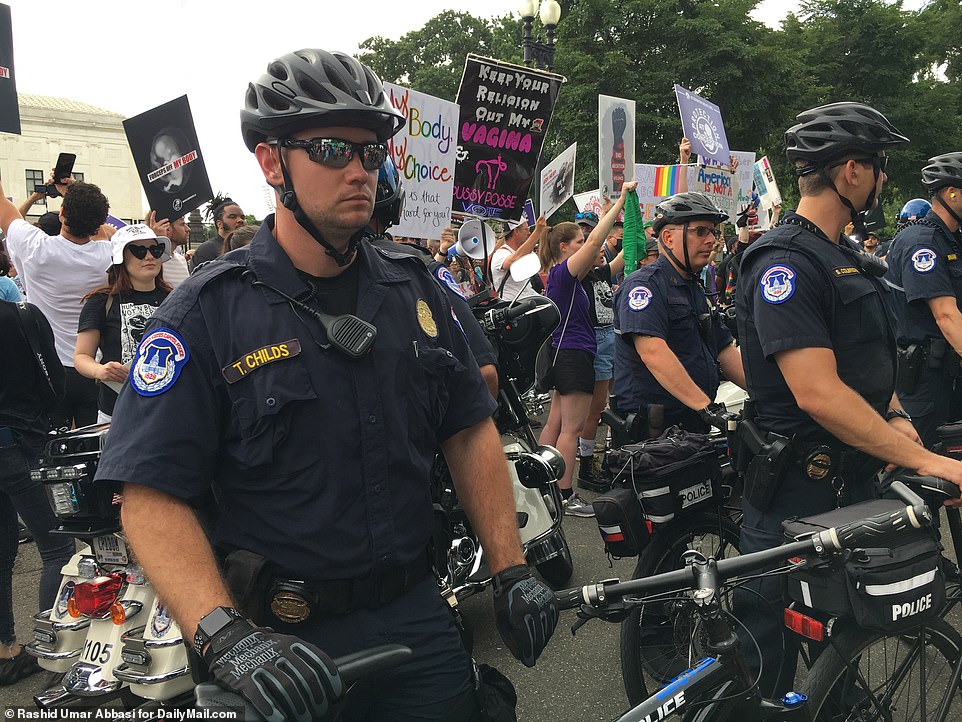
(505, 110)
(424, 153)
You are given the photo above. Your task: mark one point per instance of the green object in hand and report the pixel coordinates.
(633, 241)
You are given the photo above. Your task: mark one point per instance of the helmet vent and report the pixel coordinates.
(278, 70)
(275, 100)
(312, 89)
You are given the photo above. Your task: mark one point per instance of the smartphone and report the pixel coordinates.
(62, 170)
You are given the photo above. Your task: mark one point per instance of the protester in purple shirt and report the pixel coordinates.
(571, 256)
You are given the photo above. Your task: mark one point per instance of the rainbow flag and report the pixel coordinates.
(667, 178)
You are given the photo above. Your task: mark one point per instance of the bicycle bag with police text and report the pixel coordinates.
(621, 523)
(673, 474)
(886, 589)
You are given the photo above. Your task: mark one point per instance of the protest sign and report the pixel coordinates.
(744, 176)
(9, 108)
(765, 184)
(504, 114)
(424, 152)
(589, 202)
(703, 126)
(529, 215)
(171, 166)
(558, 181)
(114, 222)
(616, 144)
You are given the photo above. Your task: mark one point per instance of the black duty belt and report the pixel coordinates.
(294, 601)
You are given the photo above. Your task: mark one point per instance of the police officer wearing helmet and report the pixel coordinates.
(925, 273)
(669, 342)
(819, 357)
(316, 445)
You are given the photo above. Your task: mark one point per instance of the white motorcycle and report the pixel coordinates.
(107, 632)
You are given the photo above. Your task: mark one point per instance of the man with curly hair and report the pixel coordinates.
(60, 270)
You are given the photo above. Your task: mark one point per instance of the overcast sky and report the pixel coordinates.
(132, 55)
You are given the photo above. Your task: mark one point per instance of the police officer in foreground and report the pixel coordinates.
(669, 341)
(819, 358)
(317, 446)
(925, 273)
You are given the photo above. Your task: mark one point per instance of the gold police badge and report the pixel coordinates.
(426, 319)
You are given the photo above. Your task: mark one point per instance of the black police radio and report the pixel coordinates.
(346, 334)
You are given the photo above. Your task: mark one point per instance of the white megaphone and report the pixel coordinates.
(475, 239)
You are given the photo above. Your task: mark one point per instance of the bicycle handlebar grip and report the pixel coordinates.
(570, 598)
(874, 528)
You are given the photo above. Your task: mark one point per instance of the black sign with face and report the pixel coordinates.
(164, 144)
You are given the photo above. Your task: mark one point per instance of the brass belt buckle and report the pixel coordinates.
(819, 464)
(290, 603)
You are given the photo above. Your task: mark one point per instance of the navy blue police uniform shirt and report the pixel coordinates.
(798, 290)
(656, 301)
(924, 263)
(317, 461)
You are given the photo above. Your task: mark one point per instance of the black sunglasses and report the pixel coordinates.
(337, 153)
(704, 231)
(140, 252)
(586, 216)
(877, 161)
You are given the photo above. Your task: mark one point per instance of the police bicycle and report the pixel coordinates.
(656, 637)
(913, 674)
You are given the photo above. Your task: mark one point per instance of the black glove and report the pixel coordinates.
(716, 415)
(525, 611)
(283, 677)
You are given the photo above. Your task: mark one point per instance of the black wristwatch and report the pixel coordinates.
(897, 413)
(212, 623)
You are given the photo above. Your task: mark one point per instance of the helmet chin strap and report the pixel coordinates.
(686, 266)
(289, 201)
(946, 206)
(858, 218)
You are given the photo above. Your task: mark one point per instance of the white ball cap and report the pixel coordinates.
(136, 232)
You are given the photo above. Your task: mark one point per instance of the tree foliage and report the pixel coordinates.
(907, 64)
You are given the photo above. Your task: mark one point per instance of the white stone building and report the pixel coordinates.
(51, 126)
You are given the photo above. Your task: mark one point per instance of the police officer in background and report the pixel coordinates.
(925, 272)
(669, 341)
(317, 447)
(819, 358)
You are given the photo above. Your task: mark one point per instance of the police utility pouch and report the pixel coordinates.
(911, 360)
(770, 456)
(885, 589)
(672, 474)
(248, 576)
(621, 522)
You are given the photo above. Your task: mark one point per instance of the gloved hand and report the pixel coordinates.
(619, 122)
(283, 677)
(525, 611)
(716, 415)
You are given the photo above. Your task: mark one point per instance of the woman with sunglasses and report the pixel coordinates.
(571, 257)
(114, 317)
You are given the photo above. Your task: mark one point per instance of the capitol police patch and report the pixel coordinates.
(638, 298)
(445, 277)
(160, 358)
(923, 260)
(777, 284)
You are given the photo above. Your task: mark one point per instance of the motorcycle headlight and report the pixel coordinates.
(536, 469)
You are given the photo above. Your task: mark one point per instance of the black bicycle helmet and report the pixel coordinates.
(686, 207)
(313, 88)
(832, 130)
(943, 170)
(389, 201)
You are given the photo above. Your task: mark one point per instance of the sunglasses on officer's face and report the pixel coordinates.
(337, 153)
(704, 231)
(140, 252)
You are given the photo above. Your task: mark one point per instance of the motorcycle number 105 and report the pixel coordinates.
(97, 652)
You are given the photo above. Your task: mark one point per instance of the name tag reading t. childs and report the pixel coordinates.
(260, 357)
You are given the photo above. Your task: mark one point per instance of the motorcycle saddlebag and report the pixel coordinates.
(886, 589)
(624, 530)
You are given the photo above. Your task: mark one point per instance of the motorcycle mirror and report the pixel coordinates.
(525, 267)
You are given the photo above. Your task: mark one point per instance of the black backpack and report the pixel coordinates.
(39, 337)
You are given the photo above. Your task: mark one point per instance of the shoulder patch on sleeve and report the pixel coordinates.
(923, 260)
(639, 297)
(777, 284)
(445, 277)
(160, 358)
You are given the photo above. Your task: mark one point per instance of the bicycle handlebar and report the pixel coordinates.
(823, 544)
(497, 318)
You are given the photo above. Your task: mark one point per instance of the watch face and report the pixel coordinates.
(211, 624)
